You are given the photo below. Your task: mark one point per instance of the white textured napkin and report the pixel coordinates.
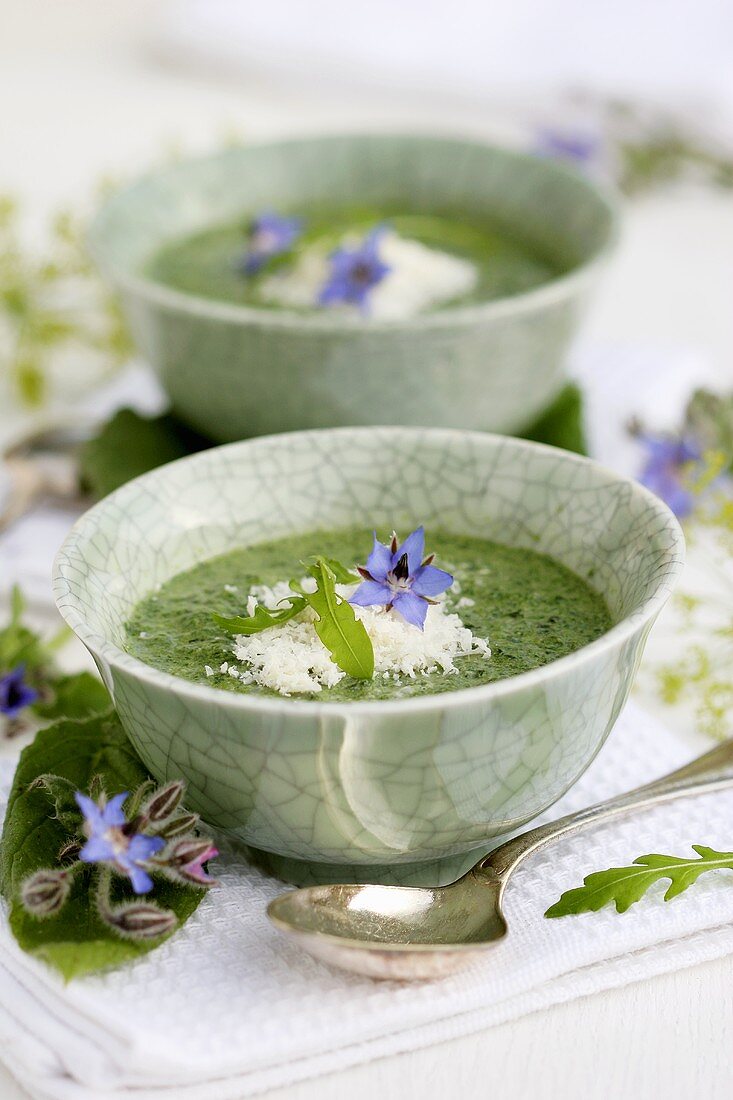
(228, 1007)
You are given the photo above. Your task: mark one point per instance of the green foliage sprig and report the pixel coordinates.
(623, 886)
(80, 917)
(343, 635)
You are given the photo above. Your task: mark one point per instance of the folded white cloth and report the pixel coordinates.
(229, 1007)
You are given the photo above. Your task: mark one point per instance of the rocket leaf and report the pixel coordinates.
(262, 619)
(625, 885)
(343, 635)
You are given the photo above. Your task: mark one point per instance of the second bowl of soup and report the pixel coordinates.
(356, 280)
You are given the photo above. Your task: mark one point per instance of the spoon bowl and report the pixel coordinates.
(395, 931)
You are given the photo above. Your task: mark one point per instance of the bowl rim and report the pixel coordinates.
(546, 294)
(619, 633)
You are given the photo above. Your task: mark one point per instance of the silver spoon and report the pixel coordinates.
(410, 933)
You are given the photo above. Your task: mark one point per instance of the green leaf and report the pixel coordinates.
(561, 424)
(625, 885)
(129, 445)
(76, 696)
(341, 574)
(19, 644)
(75, 941)
(262, 619)
(343, 635)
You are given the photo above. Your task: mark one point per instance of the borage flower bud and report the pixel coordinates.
(44, 893)
(186, 850)
(165, 802)
(188, 858)
(143, 920)
(179, 825)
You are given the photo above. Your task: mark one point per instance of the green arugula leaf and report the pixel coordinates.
(626, 885)
(129, 445)
(36, 829)
(561, 424)
(341, 574)
(262, 619)
(343, 635)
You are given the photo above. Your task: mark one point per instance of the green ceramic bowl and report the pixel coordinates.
(235, 371)
(403, 790)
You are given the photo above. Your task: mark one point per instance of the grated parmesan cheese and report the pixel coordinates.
(420, 277)
(291, 658)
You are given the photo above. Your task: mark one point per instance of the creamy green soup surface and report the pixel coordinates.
(531, 609)
(205, 263)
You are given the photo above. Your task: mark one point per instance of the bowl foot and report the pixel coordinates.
(437, 872)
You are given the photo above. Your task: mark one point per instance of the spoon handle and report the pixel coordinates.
(713, 771)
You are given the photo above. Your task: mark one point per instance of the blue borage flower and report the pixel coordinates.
(15, 693)
(268, 235)
(400, 577)
(669, 470)
(111, 840)
(354, 272)
(157, 837)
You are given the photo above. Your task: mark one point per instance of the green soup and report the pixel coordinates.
(205, 263)
(530, 608)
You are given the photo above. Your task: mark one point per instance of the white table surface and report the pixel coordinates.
(82, 97)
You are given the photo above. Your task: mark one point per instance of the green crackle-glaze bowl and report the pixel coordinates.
(235, 371)
(405, 790)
